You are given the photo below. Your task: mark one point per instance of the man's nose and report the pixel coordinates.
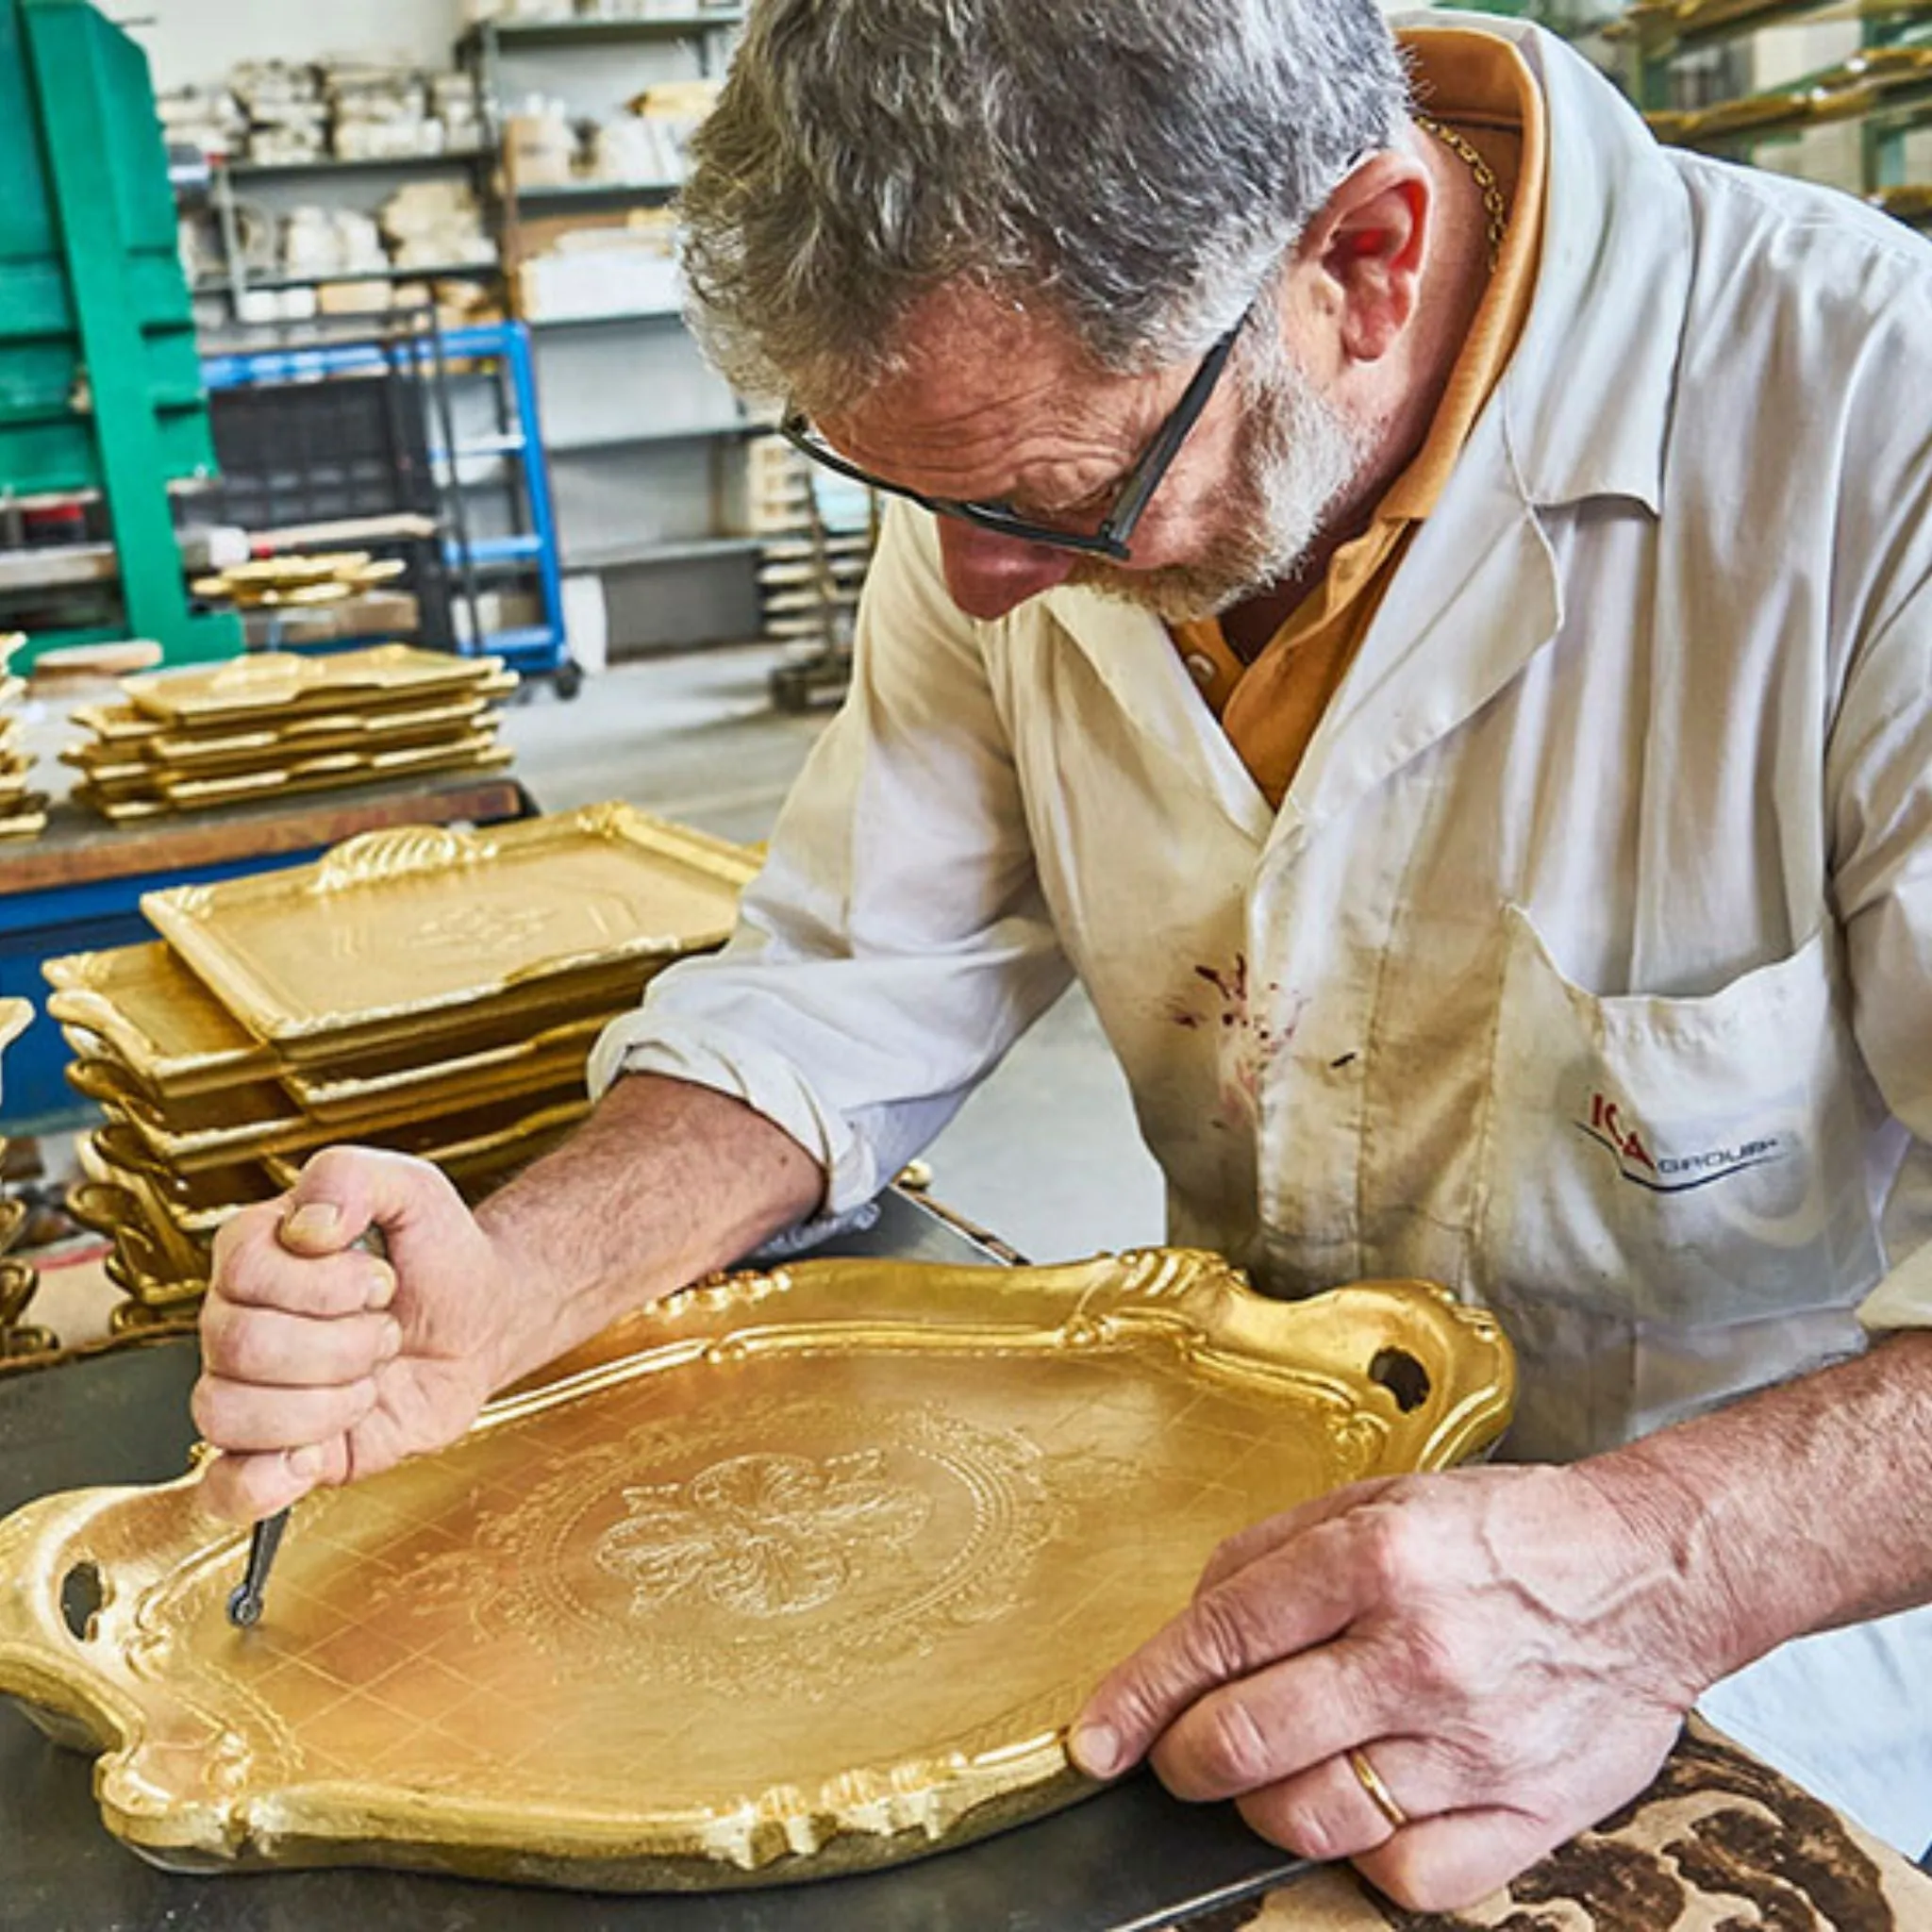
(990, 574)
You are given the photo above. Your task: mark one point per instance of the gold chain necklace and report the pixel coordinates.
(1495, 207)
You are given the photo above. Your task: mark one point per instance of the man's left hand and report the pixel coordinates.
(1510, 1652)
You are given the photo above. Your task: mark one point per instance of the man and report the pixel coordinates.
(1427, 612)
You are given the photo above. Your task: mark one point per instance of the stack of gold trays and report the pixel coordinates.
(22, 811)
(18, 1279)
(282, 583)
(430, 991)
(263, 726)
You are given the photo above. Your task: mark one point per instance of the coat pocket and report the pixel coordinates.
(1677, 1164)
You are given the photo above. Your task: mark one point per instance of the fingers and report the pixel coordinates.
(1447, 1863)
(249, 1417)
(253, 1268)
(344, 1191)
(1277, 1722)
(1327, 1812)
(244, 1489)
(1302, 1594)
(247, 1343)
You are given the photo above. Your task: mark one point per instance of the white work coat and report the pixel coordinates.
(1587, 965)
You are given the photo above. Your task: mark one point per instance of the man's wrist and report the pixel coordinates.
(533, 1296)
(1709, 1626)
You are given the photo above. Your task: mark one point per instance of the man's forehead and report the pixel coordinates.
(970, 362)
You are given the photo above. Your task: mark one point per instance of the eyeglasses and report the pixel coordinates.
(1115, 534)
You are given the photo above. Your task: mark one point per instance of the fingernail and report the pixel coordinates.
(382, 1286)
(307, 1463)
(314, 1224)
(1095, 1749)
(392, 1343)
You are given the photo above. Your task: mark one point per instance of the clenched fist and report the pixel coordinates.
(323, 1363)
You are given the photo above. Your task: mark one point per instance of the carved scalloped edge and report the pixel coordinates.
(405, 852)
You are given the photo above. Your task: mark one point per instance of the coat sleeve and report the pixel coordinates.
(896, 942)
(1879, 824)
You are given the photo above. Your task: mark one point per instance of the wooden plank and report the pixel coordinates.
(79, 849)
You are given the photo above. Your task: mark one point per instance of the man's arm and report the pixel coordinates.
(1798, 1510)
(323, 1364)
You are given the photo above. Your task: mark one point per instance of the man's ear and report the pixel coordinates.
(1366, 246)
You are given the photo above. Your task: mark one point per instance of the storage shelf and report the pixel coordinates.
(513, 444)
(1664, 38)
(645, 556)
(442, 272)
(487, 550)
(549, 323)
(594, 194)
(539, 637)
(644, 438)
(335, 165)
(591, 33)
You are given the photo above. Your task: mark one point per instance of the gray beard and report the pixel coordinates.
(1298, 457)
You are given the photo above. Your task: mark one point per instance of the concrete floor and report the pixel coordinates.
(1045, 1153)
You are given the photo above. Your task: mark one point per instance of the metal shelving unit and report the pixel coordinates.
(686, 576)
(238, 281)
(1885, 89)
(371, 164)
(499, 354)
(598, 33)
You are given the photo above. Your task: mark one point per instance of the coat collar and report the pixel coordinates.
(1588, 397)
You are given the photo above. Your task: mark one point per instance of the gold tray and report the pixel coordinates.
(129, 731)
(122, 771)
(159, 1251)
(549, 1058)
(476, 751)
(123, 1154)
(797, 1575)
(158, 1017)
(274, 682)
(125, 808)
(177, 1039)
(117, 811)
(276, 1116)
(423, 921)
(401, 1125)
(158, 1293)
(158, 1206)
(186, 755)
(256, 1106)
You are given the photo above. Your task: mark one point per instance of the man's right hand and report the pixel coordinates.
(323, 1364)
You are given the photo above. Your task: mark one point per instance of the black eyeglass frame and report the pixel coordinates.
(1115, 534)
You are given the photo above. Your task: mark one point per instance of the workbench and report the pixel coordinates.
(77, 887)
(1718, 1835)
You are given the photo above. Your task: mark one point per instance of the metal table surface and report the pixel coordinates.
(1131, 1858)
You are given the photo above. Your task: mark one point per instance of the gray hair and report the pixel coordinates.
(1140, 165)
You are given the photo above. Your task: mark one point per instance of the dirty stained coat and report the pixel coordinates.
(1587, 966)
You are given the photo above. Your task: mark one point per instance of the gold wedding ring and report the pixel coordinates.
(1370, 1782)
